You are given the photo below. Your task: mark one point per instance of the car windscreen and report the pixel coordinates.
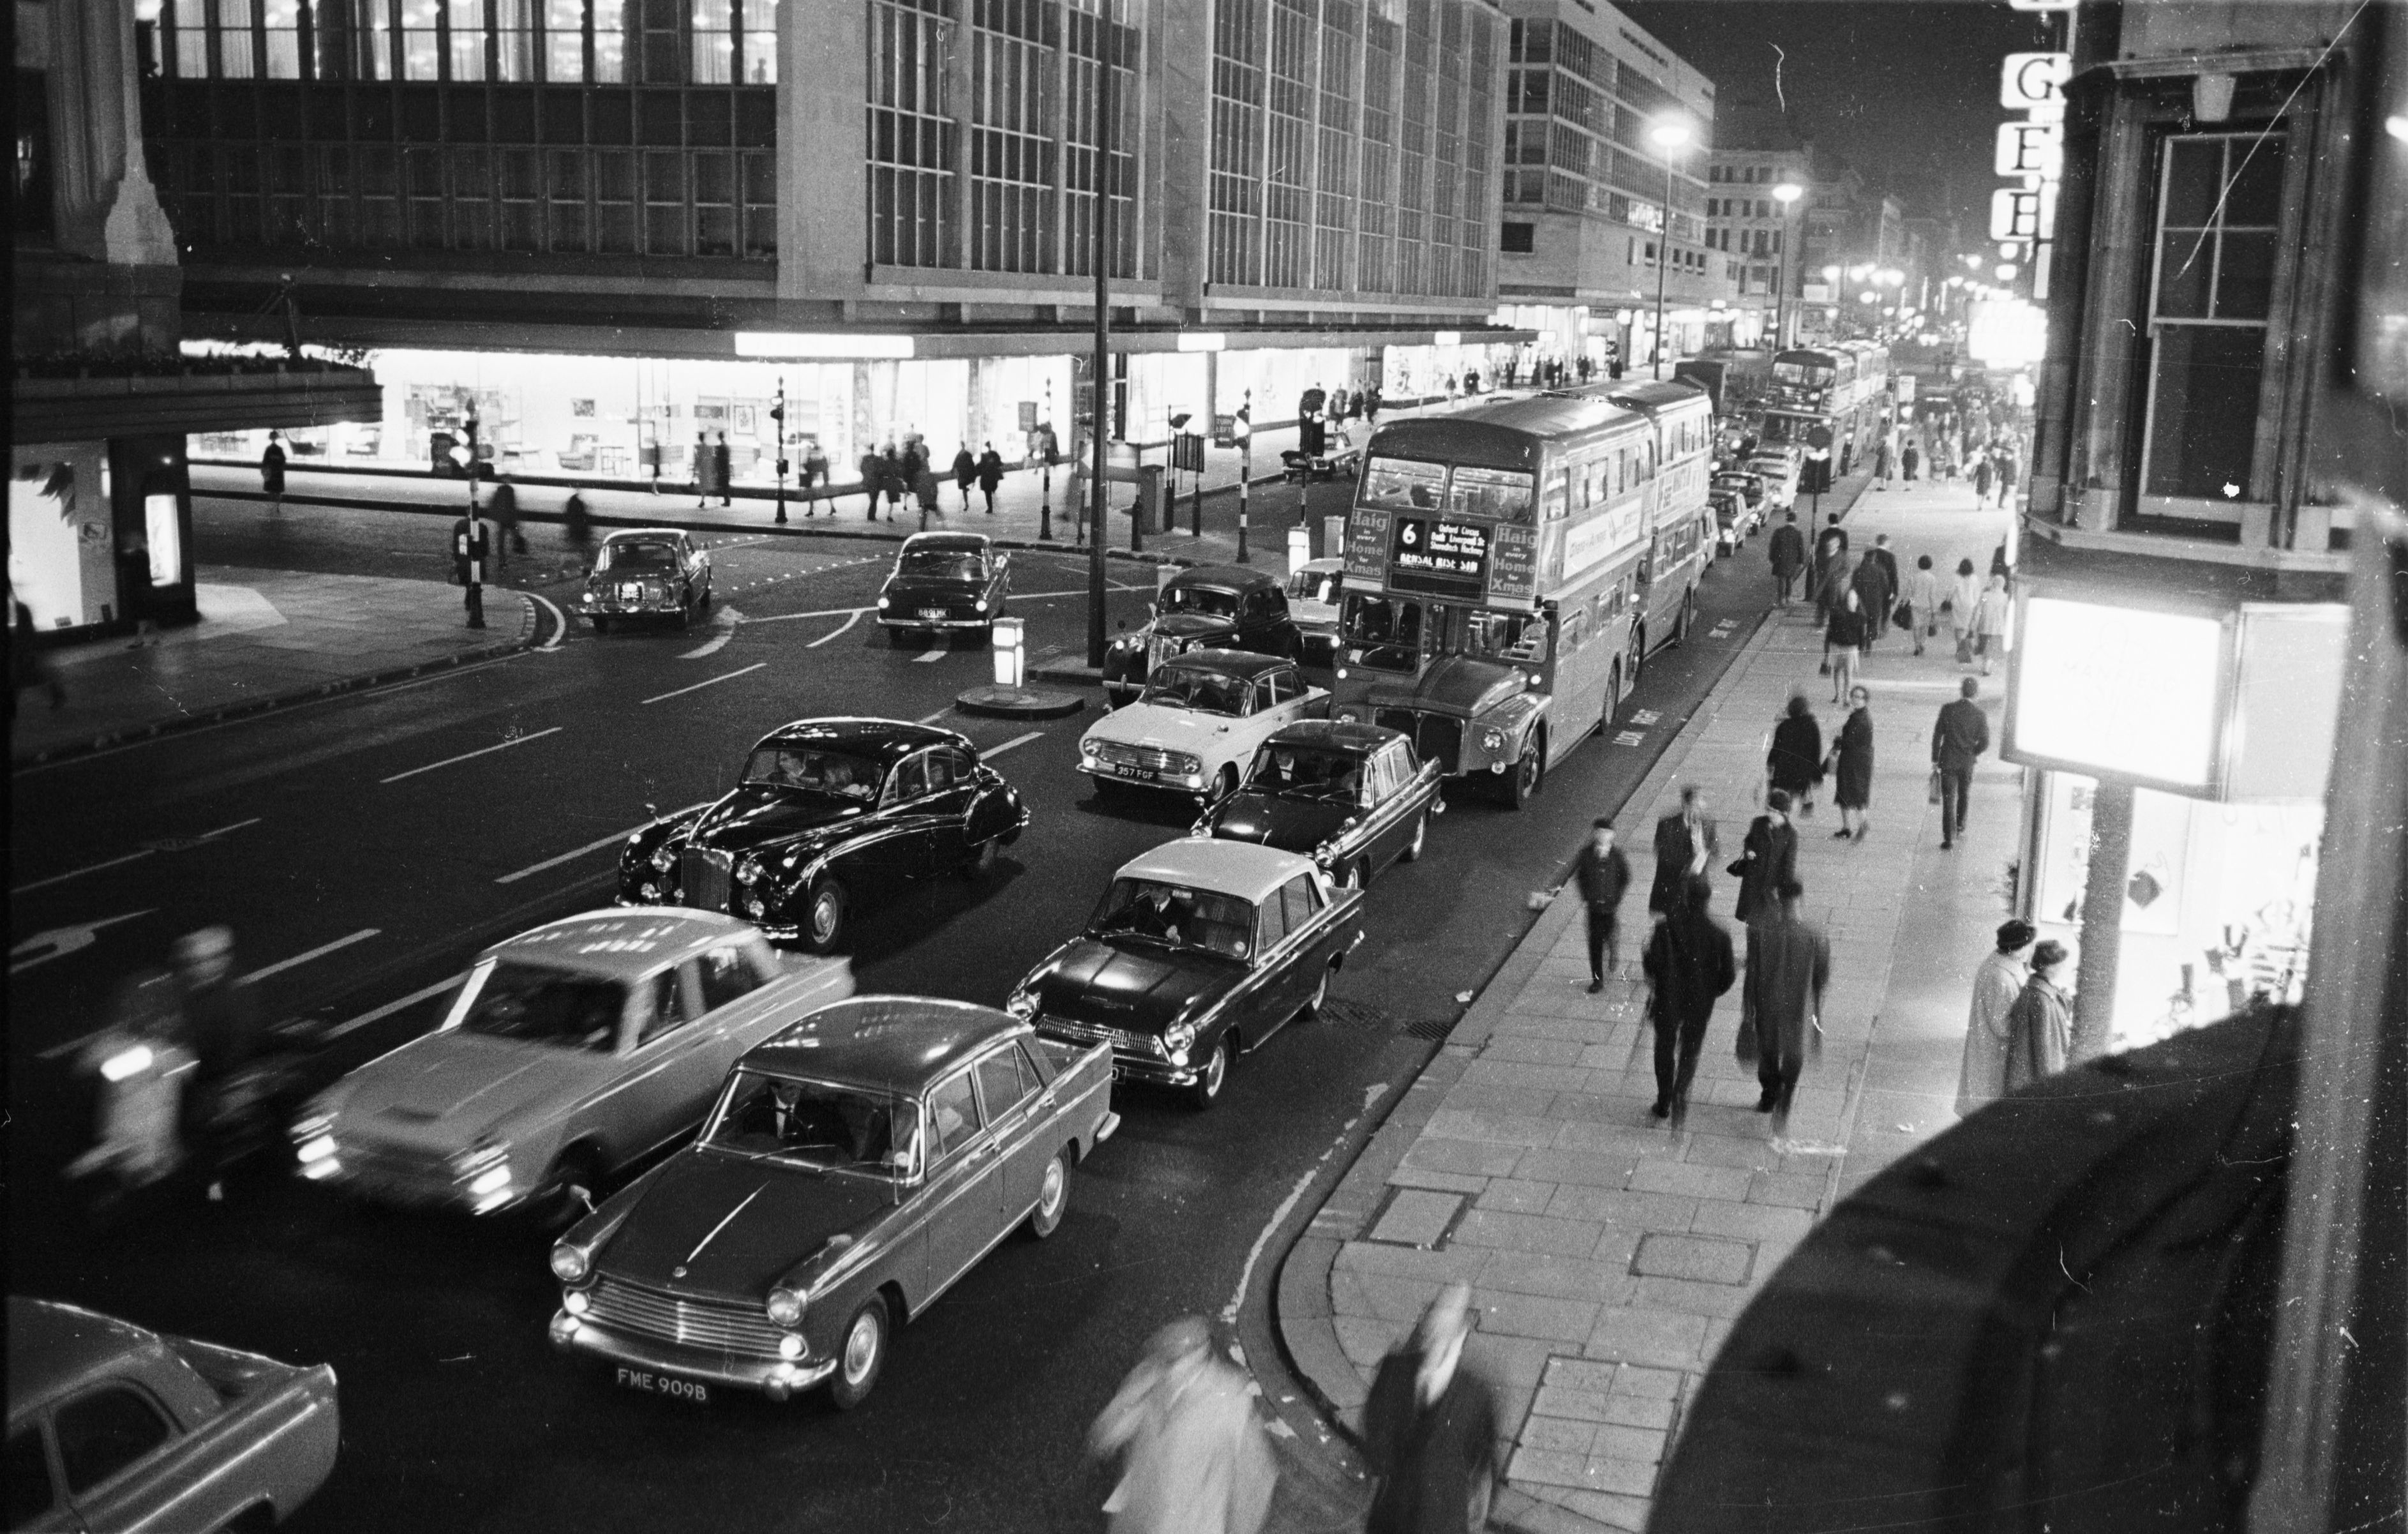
(1316, 586)
(815, 768)
(941, 565)
(1210, 602)
(1384, 632)
(1194, 687)
(813, 1123)
(1305, 772)
(532, 1004)
(1175, 914)
(625, 557)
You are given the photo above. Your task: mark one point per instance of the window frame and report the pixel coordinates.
(67, 1488)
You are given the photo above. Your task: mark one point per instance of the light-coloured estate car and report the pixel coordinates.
(1312, 592)
(566, 1054)
(1196, 727)
(114, 1427)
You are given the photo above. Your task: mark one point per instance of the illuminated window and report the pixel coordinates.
(759, 50)
(713, 42)
(190, 20)
(609, 41)
(283, 27)
(563, 41)
(467, 19)
(235, 60)
(514, 39)
(422, 56)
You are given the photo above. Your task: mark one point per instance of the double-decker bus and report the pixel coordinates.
(1840, 388)
(1680, 516)
(1493, 562)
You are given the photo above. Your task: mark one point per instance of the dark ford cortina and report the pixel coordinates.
(944, 581)
(1349, 796)
(831, 816)
(855, 1167)
(1201, 950)
(1219, 607)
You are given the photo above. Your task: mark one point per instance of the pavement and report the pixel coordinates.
(266, 638)
(1608, 1255)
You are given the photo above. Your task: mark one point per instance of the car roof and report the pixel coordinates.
(889, 1042)
(1335, 735)
(975, 543)
(1320, 566)
(644, 535)
(53, 1348)
(1246, 870)
(1224, 577)
(1248, 663)
(626, 941)
(886, 740)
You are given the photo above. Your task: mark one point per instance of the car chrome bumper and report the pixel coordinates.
(617, 608)
(774, 1378)
(405, 1191)
(886, 622)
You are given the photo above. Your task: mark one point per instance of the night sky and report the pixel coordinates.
(1907, 91)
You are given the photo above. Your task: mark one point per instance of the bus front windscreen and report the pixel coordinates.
(1406, 484)
(1384, 632)
(1518, 637)
(1496, 493)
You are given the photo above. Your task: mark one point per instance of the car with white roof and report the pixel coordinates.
(1194, 728)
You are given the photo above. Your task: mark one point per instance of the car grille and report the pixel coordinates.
(1096, 1033)
(702, 876)
(716, 1326)
(1178, 763)
(1436, 738)
(1159, 649)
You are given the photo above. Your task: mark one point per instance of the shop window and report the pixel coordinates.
(713, 42)
(758, 50)
(190, 21)
(235, 58)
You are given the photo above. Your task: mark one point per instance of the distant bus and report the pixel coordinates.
(1842, 388)
(1732, 378)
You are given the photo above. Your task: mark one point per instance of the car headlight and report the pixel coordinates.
(1180, 1036)
(1091, 747)
(312, 1124)
(317, 1148)
(1492, 741)
(478, 1158)
(749, 872)
(1022, 1005)
(881, 604)
(785, 1307)
(571, 1264)
(663, 858)
(982, 604)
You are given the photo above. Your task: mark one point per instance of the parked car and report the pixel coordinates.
(1352, 797)
(646, 572)
(1780, 478)
(114, 1427)
(1198, 722)
(568, 1054)
(1199, 951)
(1221, 606)
(1746, 483)
(945, 582)
(1732, 520)
(829, 817)
(1314, 589)
(854, 1168)
(1340, 456)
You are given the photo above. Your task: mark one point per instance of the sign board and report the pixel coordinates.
(1028, 415)
(2027, 81)
(1433, 555)
(2117, 692)
(2006, 332)
(2024, 213)
(2042, 5)
(1187, 452)
(2030, 148)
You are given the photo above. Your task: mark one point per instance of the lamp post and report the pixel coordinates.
(1106, 47)
(1786, 194)
(1668, 136)
(1045, 504)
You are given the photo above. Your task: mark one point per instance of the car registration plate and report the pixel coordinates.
(653, 1383)
(932, 612)
(1128, 770)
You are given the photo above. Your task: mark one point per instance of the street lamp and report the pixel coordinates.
(1668, 136)
(1786, 194)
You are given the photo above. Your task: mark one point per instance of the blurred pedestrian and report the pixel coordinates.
(1686, 845)
(815, 473)
(1471, 381)
(990, 477)
(1852, 765)
(1789, 964)
(1688, 964)
(2007, 478)
(1768, 858)
(1964, 600)
(1981, 481)
(1604, 876)
(873, 479)
(651, 453)
(1430, 1429)
(1450, 388)
(1997, 984)
(1959, 736)
(723, 470)
(1841, 639)
(576, 526)
(926, 489)
(895, 479)
(271, 472)
(1197, 1459)
(29, 665)
(2040, 1024)
(1830, 556)
(1990, 623)
(470, 546)
(1875, 586)
(1923, 601)
(1908, 458)
(1795, 763)
(1787, 552)
(1373, 401)
(702, 462)
(219, 1021)
(1881, 465)
(503, 506)
(965, 474)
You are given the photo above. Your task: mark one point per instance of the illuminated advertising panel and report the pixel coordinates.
(2118, 692)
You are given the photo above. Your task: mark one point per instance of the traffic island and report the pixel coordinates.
(994, 702)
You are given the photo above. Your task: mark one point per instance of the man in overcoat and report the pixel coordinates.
(1688, 963)
(1685, 845)
(1789, 964)
(1787, 552)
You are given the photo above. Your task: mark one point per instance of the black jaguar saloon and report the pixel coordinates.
(1352, 797)
(942, 583)
(830, 817)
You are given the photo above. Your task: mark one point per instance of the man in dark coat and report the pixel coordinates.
(1789, 964)
(893, 478)
(271, 472)
(873, 481)
(503, 506)
(815, 472)
(1876, 588)
(1830, 550)
(1768, 859)
(1689, 965)
(722, 469)
(1787, 552)
(1430, 1429)
(965, 474)
(1961, 734)
(1604, 875)
(1685, 845)
(990, 477)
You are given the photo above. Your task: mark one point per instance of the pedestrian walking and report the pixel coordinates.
(2040, 1024)
(1450, 388)
(990, 477)
(503, 506)
(218, 1017)
(575, 525)
(1686, 845)
(1689, 966)
(271, 472)
(1881, 465)
(965, 474)
(2006, 477)
(1787, 552)
(1842, 638)
(1922, 602)
(815, 473)
(1830, 551)
(1990, 623)
(1852, 765)
(1196, 1460)
(1604, 875)
(1996, 985)
(1981, 481)
(1780, 1013)
(470, 545)
(1795, 763)
(1373, 402)
(1875, 586)
(651, 454)
(1963, 601)
(1908, 458)
(894, 477)
(723, 470)
(1768, 858)
(1430, 1429)
(29, 666)
(873, 479)
(1471, 381)
(926, 489)
(1959, 736)
(702, 465)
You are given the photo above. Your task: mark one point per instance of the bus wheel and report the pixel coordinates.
(1528, 772)
(1612, 699)
(1638, 658)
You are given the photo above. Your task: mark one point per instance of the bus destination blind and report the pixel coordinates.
(1436, 555)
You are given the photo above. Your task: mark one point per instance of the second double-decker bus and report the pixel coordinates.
(1492, 578)
(1840, 388)
(1680, 515)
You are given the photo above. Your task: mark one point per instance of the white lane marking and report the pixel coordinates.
(379, 1014)
(318, 953)
(825, 612)
(724, 619)
(847, 629)
(559, 623)
(58, 942)
(714, 681)
(1081, 591)
(930, 657)
(1279, 1215)
(466, 756)
(146, 851)
(934, 717)
(597, 843)
(1015, 742)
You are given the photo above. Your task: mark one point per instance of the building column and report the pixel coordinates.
(823, 251)
(106, 206)
(2103, 920)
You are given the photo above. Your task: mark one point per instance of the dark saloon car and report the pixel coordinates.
(1200, 951)
(855, 1167)
(830, 817)
(647, 572)
(943, 582)
(1349, 796)
(1222, 607)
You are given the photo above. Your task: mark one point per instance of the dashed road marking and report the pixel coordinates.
(142, 852)
(926, 656)
(1631, 738)
(596, 844)
(318, 953)
(377, 1014)
(485, 750)
(1646, 716)
(729, 675)
(1014, 743)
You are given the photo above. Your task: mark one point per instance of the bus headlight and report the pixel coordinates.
(1492, 741)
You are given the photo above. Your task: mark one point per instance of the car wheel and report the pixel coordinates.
(823, 915)
(1053, 1196)
(1421, 832)
(571, 1192)
(1356, 875)
(1530, 772)
(1612, 698)
(982, 857)
(1682, 624)
(1312, 1007)
(1226, 783)
(860, 1356)
(1207, 1090)
(601, 625)
(1638, 657)
(685, 614)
